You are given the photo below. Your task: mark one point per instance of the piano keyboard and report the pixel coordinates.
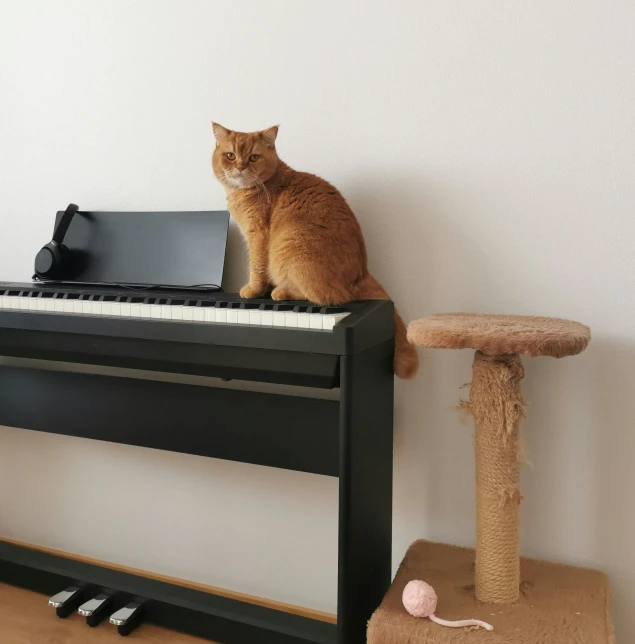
(201, 311)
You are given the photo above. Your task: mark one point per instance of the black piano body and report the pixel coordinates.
(350, 438)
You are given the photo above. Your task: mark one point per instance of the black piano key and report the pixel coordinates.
(329, 310)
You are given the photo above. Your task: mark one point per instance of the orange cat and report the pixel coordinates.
(302, 236)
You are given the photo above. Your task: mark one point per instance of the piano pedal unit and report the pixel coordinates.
(96, 606)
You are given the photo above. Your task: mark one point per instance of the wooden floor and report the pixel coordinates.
(25, 618)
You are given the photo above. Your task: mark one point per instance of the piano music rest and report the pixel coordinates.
(351, 439)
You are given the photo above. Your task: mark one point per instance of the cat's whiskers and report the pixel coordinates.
(260, 185)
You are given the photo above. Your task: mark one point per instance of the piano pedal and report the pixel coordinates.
(96, 610)
(128, 618)
(67, 601)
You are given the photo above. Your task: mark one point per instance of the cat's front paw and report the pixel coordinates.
(285, 294)
(249, 292)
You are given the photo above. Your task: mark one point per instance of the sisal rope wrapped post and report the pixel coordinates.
(497, 407)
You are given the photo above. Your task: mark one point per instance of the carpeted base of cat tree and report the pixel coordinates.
(558, 604)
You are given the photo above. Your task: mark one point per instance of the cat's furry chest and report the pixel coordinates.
(249, 210)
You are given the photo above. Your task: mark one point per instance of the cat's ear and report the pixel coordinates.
(269, 135)
(220, 132)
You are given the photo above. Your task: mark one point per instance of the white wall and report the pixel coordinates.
(487, 147)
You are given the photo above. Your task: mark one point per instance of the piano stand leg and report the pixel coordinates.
(365, 493)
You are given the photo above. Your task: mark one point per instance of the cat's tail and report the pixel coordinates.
(406, 361)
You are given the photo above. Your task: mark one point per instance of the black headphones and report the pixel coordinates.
(50, 260)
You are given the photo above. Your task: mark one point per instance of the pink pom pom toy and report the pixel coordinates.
(420, 600)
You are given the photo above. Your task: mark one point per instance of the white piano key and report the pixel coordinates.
(166, 312)
(304, 321)
(49, 304)
(279, 318)
(77, 307)
(86, 307)
(146, 311)
(58, 305)
(255, 317)
(4, 302)
(95, 307)
(135, 310)
(68, 306)
(24, 304)
(199, 314)
(32, 303)
(156, 311)
(125, 310)
(115, 309)
(177, 312)
(210, 314)
(331, 319)
(315, 321)
(232, 316)
(291, 319)
(106, 308)
(14, 302)
(41, 304)
(188, 313)
(221, 316)
(243, 316)
(266, 318)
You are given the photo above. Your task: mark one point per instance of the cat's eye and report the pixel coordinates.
(230, 155)
(254, 157)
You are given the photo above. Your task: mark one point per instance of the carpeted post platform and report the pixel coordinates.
(526, 601)
(557, 605)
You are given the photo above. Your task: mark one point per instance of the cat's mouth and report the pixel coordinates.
(239, 180)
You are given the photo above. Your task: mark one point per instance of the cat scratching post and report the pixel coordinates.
(527, 601)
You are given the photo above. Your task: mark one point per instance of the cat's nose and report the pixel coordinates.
(239, 168)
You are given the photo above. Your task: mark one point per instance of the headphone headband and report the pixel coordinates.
(65, 222)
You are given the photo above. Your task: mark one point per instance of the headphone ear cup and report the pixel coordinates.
(50, 259)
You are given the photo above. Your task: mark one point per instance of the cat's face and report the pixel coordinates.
(244, 160)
